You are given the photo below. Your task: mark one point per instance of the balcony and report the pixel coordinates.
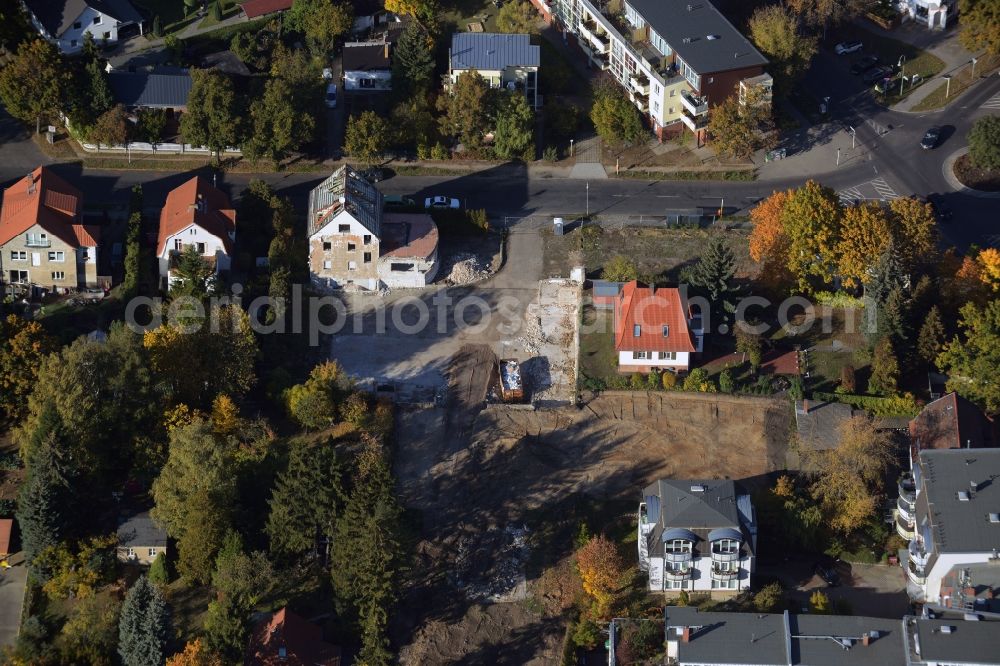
(640, 83)
(694, 124)
(722, 574)
(38, 242)
(907, 489)
(725, 557)
(676, 557)
(904, 527)
(695, 105)
(916, 573)
(677, 574)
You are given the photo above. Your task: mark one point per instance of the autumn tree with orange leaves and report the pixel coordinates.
(812, 220)
(195, 654)
(914, 231)
(602, 569)
(864, 237)
(768, 241)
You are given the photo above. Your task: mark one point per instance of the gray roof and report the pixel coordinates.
(362, 57)
(964, 643)
(957, 525)
(151, 89)
(58, 16)
(348, 189)
(714, 46)
(819, 428)
(605, 288)
(492, 51)
(786, 639)
(679, 511)
(140, 531)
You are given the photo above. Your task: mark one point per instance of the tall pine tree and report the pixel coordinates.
(714, 276)
(412, 61)
(144, 625)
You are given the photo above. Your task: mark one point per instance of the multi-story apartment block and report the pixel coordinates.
(699, 536)
(44, 243)
(674, 58)
(954, 500)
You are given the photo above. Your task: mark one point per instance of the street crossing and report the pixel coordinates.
(992, 102)
(874, 189)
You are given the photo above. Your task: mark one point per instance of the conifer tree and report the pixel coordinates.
(144, 625)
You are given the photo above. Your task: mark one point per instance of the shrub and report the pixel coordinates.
(590, 236)
(819, 603)
(848, 381)
(698, 380)
(479, 219)
(653, 380)
(354, 410)
(769, 598)
(637, 382)
(900, 405)
(984, 143)
(586, 634)
(440, 152)
(796, 390)
(669, 380)
(159, 572)
(619, 269)
(550, 154)
(424, 151)
(726, 381)
(683, 599)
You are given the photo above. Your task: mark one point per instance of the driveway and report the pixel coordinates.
(875, 590)
(12, 585)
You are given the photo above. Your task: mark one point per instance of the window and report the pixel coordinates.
(18, 255)
(327, 246)
(368, 257)
(677, 546)
(106, 35)
(351, 247)
(638, 355)
(19, 277)
(72, 42)
(666, 331)
(57, 256)
(178, 244)
(200, 247)
(711, 79)
(367, 238)
(327, 264)
(131, 552)
(636, 331)
(352, 265)
(38, 240)
(400, 268)
(97, 20)
(726, 546)
(192, 231)
(667, 356)
(633, 17)
(670, 110)
(659, 43)
(689, 74)
(656, 107)
(344, 228)
(76, 26)
(58, 275)
(152, 552)
(673, 92)
(366, 83)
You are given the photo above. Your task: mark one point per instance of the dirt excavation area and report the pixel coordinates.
(492, 489)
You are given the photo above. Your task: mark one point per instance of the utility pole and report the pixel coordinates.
(588, 199)
(902, 73)
(947, 85)
(973, 76)
(838, 156)
(854, 135)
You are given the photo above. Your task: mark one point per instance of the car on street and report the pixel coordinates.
(863, 64)
(331, 96)
(441, 202)
(327, 74)
(827, 570)
(397, 201)
(373, 175)
(942, 211)
(844, 48)
(885, 85)
(931, 138)
(877, 74)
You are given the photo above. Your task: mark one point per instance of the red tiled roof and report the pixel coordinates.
(255, 8)
(181, 210)
(302, 642)
(45, 199)
(407, 235)
(661, 318)
(951, 422)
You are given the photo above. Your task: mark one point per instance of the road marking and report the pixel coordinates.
(992, 102)
(668, 196)
(993, 241)
(883, 189)
(850, 195)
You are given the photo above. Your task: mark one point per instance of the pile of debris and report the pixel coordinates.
(467, 268)
(490, 566)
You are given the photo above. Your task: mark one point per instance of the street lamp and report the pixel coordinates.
(902, 72)
(854, 135)
(973, 61)
(588, 199)
(571, 147)
(947, 85)
(838, 156)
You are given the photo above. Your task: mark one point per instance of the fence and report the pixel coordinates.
(154, 148)
(688, 219)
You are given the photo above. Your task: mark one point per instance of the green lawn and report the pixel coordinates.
(890, 50)
(171, 13)
(597, 348)
(229, 9)
(959, 82)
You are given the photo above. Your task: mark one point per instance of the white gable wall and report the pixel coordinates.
(192, 235)
(91, 21)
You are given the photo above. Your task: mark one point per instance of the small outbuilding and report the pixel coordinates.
(140, 539)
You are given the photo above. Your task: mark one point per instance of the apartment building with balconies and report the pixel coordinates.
(953, 496)
(699, 536)
(674, 59)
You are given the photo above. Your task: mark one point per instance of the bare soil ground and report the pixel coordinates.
(473, 476)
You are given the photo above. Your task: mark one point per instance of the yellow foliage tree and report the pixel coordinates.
(812, 219)
(914, 231)
(195, 654)
(179, 416)
(73, 574)
(989, 262)
(864, 237)
(601, 569)
(820, 603)
(768, 241)
(225, 415)
(784, 486)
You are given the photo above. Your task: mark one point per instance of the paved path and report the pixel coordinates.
(12, 584)
(153, 51)
(942, 43)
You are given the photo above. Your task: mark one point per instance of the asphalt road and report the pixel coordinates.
(507, 191)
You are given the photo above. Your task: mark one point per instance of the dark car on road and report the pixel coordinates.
(942, 211)
(931, 138)
(827, 570)
(864, 64)
(877, 74)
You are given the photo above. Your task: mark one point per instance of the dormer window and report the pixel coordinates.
(666, 331)
(636, 330)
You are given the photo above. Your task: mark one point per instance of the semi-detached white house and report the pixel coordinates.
(196, 214)
(66, 23)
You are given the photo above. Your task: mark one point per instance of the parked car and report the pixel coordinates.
(942, 211)
(844, 48)
(827, 570)
(863, 64)
(441, 202)
(327, 74)
(373, 175)
(931, 138)
(397, 201)
(331, 95)
(885, 85)
(877, 74)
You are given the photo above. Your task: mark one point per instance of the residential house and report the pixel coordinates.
(700, 638)
(818, 423)
(931, 13)
(254, 9)
(951, 510)
(66, 23)
(200, 215)
(367, 66)
(655, 329)
(950, 422)
(140, 539)
(604, 294)
(673, 57)
(371, 16)
(44, 243)
(162, 88)
(505, 61)
(288, 639)
(699, 536)
(353, 242)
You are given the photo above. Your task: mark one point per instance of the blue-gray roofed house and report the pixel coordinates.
(140, 539)
(508, 61)
(166, 88)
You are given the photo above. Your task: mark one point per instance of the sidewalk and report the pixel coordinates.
(154, 51)
(811, 149)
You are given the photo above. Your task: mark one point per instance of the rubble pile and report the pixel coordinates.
(490, 566)
(467, 268)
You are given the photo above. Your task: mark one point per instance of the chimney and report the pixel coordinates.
(866, 639)
(686, 635)
(387, 50)
(805, 406)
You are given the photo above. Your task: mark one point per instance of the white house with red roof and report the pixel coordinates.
(43, 241)
(655, 328)
(198, 214)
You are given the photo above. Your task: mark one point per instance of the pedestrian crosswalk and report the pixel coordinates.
(873, 189)
(992, 102)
